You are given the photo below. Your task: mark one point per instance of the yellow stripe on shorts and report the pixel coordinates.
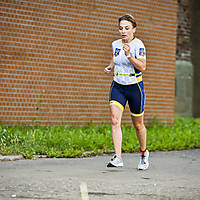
(117, 104)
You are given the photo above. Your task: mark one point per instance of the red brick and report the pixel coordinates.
(48, 45)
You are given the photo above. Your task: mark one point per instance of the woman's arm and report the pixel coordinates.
(109, 67)
(139, 63)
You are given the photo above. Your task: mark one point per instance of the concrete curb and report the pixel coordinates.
(11, 157)
(19, 157)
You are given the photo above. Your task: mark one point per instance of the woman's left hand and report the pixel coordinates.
(126, 49)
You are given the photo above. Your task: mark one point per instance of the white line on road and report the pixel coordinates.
(84, 191)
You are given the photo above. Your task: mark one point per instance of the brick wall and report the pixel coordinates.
(184, 25)
(53, 53)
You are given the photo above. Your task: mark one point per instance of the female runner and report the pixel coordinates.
(128, 61)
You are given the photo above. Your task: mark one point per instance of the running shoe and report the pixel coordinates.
(144, 163)
(115, 161)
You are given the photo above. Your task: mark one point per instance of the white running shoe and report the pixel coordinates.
(144, 163)
(115, 161)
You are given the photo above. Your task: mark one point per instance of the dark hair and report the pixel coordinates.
(129, 18)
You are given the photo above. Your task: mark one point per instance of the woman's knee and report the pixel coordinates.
(139, 126)
(116, 114)
(115, 121)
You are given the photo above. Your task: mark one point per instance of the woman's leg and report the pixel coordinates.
(138, 123)
(116, 115)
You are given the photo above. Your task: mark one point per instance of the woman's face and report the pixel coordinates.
(126, 30)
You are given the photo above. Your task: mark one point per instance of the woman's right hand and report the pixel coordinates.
(108, 69)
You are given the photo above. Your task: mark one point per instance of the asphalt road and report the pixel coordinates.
(172, 175)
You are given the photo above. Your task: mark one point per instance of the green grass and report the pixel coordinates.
(66, 141)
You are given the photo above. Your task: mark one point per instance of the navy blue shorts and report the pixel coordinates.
(134, 94)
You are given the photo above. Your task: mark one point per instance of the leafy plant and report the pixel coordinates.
(66, 141)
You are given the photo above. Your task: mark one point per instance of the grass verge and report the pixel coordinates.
(66, 141)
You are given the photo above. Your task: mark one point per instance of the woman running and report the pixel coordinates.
(128, 61)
